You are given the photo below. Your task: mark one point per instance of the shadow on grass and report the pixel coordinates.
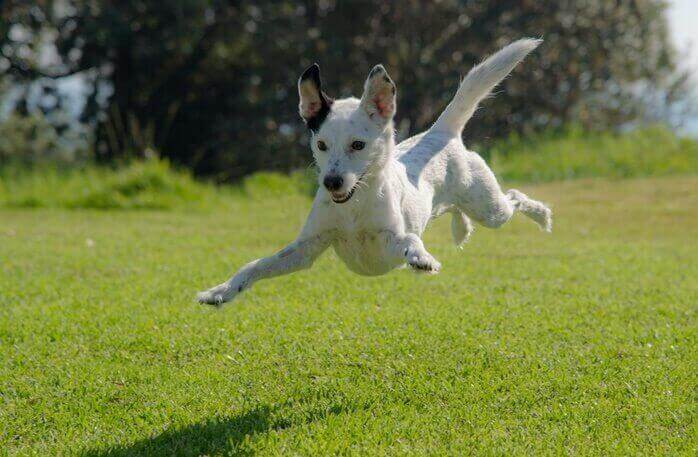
(222, 435)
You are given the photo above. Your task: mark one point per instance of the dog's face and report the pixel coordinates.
(350, 138)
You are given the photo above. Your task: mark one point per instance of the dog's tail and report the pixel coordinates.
(478, 84)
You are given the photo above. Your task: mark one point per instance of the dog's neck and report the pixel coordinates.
(381, 164)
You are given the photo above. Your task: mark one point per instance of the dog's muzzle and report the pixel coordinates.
(332, 185)
(342, 198)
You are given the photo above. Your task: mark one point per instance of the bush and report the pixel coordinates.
(652, 151)
(152, 184)
(270, 184)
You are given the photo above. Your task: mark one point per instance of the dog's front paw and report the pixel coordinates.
(218, 295)
(422, 262)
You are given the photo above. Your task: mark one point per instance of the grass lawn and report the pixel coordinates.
(580, 342)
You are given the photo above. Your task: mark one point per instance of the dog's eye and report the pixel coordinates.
(358, 145)
(321, 145)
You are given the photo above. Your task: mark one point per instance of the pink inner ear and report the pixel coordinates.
(311, 109)
(380, 106)
(383, 105)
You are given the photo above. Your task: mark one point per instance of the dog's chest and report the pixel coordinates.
(364, 252)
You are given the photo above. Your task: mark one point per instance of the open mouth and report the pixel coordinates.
(344, 197)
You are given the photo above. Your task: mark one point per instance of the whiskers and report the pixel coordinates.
(361, 183)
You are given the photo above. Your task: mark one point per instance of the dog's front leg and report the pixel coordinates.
(409, 247)
(296, 256)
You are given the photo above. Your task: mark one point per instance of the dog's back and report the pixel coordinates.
(459, 181)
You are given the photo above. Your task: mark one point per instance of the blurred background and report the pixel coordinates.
(210, 85)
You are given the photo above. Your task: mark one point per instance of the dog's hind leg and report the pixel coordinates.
(541, 214)
(494, 210)
(482, 199)
(461, 227)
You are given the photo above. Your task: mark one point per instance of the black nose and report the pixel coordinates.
(333, 183)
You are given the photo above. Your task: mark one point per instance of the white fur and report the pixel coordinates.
(395, 190)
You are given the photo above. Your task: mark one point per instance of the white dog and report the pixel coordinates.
(375, 197)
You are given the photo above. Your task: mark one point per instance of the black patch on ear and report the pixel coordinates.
(313, 73)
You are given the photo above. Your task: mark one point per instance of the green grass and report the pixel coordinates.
(651, 151)
(582, 342)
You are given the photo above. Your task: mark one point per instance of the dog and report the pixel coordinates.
(375, 197)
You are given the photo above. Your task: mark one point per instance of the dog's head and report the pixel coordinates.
(350, 138)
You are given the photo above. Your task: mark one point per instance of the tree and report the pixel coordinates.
(211, 83)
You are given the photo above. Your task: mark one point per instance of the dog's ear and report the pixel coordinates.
(314, 103)
(378, 98)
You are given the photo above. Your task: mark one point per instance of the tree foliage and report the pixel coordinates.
(211, 84)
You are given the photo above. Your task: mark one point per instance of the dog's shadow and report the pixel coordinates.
(221, 435)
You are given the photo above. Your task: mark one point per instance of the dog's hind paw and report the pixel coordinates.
(423, 262)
